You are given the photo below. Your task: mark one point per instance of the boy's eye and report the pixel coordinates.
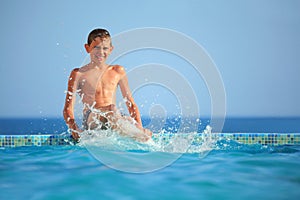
(98, 48)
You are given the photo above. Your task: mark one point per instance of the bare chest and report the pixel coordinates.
(97, 81)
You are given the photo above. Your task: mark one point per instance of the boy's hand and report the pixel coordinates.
(148, 132)
(75, 136)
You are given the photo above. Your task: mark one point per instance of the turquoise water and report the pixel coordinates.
(233, 171)
(229, 171)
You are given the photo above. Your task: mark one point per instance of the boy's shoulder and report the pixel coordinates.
(75, 71)
(84, 68)
(119, 69)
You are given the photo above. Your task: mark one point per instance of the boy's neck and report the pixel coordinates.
(98, 65)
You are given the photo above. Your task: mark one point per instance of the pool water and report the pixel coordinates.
(71, 172)
(238, 166)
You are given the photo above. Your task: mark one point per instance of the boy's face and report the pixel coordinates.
(99, 50)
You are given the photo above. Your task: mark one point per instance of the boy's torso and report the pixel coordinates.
(98, 85)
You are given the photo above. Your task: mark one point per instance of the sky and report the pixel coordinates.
(254, 44)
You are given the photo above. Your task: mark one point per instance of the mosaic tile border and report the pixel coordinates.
(270, 139)
(34, 140)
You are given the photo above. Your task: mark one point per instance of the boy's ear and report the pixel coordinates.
(87, 48)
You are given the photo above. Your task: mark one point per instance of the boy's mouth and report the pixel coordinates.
(100, 58)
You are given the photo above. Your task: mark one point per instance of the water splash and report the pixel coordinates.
(161, 142)
(177, 137)
(127, 154)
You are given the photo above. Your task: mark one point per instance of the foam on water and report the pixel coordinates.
(130, 138)
(177, 143)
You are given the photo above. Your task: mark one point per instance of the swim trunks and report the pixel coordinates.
(102, 115)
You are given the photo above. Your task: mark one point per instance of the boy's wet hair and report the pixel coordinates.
(102, 33)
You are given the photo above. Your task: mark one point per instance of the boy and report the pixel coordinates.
(96, 83)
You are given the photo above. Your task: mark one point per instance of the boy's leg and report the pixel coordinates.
(126, 126)
(109, 117)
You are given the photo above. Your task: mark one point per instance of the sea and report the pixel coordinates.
(56, 125)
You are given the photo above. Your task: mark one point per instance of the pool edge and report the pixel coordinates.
(270, 139)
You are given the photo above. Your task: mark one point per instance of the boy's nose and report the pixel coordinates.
(101, 51)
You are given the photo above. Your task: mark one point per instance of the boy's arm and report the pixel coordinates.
(68, 111)
(126, 93)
